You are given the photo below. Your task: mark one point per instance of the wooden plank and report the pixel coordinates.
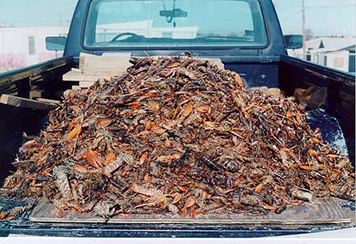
(87, 84)
(106, 66)
(84, 84)
(318, 212)
(25, 103)
(45, 100)
(96, 67)
(72, 76)
(82, 60)
(214, 61)
(118, 54)
(78, 76)
(37, 93)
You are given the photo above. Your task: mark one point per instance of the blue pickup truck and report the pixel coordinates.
(246, 36)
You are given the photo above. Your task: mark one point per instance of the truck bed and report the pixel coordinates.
(291, 73)
(327, 215)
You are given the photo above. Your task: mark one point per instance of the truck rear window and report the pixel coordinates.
(174, 23)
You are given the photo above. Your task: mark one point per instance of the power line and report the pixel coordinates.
(330, 6)
(315, 6)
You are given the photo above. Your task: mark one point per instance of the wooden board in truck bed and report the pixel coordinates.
(318, 212)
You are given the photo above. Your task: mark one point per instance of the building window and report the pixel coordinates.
(308, 57)
(352, 62)
(31, 45)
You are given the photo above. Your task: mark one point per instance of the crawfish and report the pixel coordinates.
(114, 165)
(206, 160)
(60, 175)
(156, 196)
(105, 209)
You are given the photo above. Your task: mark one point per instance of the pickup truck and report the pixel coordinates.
(246, 36)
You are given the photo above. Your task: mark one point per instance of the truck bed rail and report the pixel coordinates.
(21, 78)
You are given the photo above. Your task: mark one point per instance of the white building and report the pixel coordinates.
(145, 28)
(334, 52)
(23, 46)
(343, 59)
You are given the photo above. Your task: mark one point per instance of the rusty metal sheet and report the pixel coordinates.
(317, 212)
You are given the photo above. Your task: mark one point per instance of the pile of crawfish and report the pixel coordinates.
(179, 136)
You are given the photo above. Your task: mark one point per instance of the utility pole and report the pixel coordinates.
(303, 29)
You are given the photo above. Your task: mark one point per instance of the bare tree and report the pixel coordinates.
(309, 34)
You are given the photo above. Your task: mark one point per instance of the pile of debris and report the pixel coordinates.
(180, 136)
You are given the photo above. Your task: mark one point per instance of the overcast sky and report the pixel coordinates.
(323, 17)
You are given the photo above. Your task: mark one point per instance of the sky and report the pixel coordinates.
(323, 17)
(36, 12)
